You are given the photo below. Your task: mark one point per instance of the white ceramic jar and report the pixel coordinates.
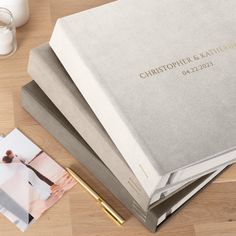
(19, 10)
(8, 43)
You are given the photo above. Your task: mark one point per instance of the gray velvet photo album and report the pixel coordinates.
(154, 74)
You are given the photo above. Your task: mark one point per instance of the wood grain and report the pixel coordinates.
(212, 212)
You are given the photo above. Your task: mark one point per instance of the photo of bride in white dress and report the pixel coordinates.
(30, 180)
(19, 168)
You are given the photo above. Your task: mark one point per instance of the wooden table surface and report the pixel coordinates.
(210, 213)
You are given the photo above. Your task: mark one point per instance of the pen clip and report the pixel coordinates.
(115, 216)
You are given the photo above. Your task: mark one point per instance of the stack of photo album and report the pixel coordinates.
(138, 92)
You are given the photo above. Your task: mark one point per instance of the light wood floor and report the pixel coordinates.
(210, 213)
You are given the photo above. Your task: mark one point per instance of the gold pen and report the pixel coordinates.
(104, 205)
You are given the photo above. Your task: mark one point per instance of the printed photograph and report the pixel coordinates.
(30, 180)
